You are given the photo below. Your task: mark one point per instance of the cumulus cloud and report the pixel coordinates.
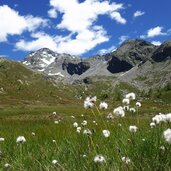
(123, 39)
(11, 23)
(105, 51)
(81, 44)
(138, 13)
(157, 43)
(80, 20)
(153, 32)
(52, 13)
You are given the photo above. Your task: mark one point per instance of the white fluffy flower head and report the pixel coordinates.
(130, 96)
(167, 135)
(99, 159)
(21, 139)
(133, 128)
(126, 101)
(119, 112)
(103, 105)
(138, 104)
(106, 133)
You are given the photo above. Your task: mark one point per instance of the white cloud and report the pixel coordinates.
(123, 38)
(81, 44)
(118, 18)
(138, 13)
(156, 31)
(11, 23)
(105, 51)
(79, 19)
(52, 13)
(153, 32)
(157, 43)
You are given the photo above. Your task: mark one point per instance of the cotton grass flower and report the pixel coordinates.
(103, 105)
(126, 160)
(167, 135)
(56, 122)
(54, 113)
(84, 123)
(126, 101)
(132, 110)
(110, 116)
(152, 124)
(33, 134)
(54, 162)
(87, 132)
(130, 96)
(89, 102)
(126, 108)
(99, 159)
(119, 112)
(106, 133)
(133, 128)
(75, 124)
(78, 129)
(138, 104)
(21, 139)
(2, 139)
(7, 165)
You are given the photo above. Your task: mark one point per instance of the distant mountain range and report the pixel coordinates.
(49, 77)
(133, 59)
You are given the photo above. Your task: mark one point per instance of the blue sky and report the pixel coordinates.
(80, 27)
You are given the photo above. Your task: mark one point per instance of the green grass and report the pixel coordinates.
(39, 150)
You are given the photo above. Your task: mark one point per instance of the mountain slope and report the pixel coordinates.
(21, 85)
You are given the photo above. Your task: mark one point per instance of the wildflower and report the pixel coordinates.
(21, 139)
(126, 108)
(54, 113)
(168, 117)
(152, 124)
(167, 135)
(119, 112)
(72, 116)
(82, 115)
(89, 102)
(133, 128)
(84, 123)
(2, 139)
(126, 101)
(110, 116)
(126, 160)
(54, 162)
(78, 129)
(159, 118)
(75, 124)
(162, 148)
(56, 122)
(54, 141)
(132, 110)
(84, 155)
(143, 139)
(99, 159)
(103, 105)
(138, 104)
(119, 124)
(130, 96)
(106, 133)
(87, 132)
(33, 134)
(7, 165)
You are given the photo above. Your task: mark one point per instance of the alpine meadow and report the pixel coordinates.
(85, 85)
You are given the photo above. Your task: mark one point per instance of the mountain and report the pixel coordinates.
(21, 85)
(136, 62)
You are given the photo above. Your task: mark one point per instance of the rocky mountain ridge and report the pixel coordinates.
(132, 55)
